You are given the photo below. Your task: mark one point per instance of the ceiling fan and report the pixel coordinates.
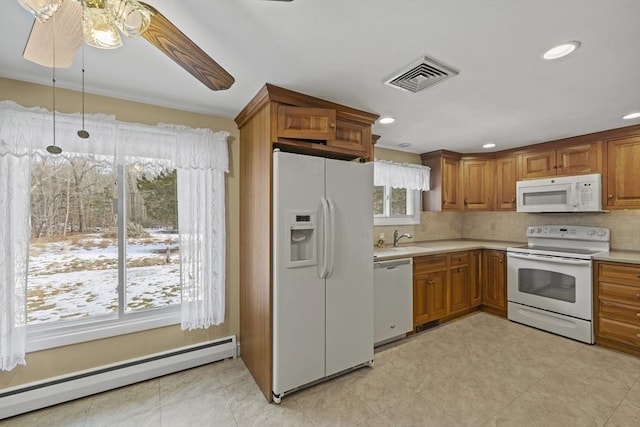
(100, 23)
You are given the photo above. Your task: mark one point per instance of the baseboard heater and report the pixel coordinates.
(37, 395)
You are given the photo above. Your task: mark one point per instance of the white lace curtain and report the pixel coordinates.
(199, 155)
(401, 175)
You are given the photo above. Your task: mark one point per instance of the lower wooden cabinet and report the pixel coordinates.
(475, 285)
(617, 306)
(494, 281)
(444, 285)
(429, 297)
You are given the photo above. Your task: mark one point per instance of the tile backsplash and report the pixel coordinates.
(511, 226)
(433, 226)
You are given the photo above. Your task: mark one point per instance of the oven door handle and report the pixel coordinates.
(550, 258)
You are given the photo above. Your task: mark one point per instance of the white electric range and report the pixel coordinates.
(550, 281)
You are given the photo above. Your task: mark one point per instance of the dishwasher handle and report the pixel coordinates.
(392, 264)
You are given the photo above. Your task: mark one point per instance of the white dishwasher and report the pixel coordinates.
(392, 299)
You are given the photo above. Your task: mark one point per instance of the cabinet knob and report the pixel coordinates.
(638, 275)
(555, 166)
(460, 270)
(559, 166)
(610, 197)
(465, 202)
(637, 314)
(332, 125)
(513, 200)
(500, 260)
(637, 295)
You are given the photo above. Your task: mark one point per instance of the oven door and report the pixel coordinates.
(557, 284)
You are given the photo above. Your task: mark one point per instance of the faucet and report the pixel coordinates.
(396, 238)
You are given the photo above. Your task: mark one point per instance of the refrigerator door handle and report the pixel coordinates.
(332, 227)
(325, 255)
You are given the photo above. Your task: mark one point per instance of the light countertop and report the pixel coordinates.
(409, 250)
(438, 247)
(632, 257)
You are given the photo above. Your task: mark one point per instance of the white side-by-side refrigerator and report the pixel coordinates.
(322, 268)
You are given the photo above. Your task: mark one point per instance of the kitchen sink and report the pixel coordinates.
(401, 250)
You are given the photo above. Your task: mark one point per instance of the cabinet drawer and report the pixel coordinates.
(621, 312)
(425, 264)
(619, 331)
(459, 258)
(620, 293)
(624, 274)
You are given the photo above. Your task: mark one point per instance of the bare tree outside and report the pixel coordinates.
(73, 265)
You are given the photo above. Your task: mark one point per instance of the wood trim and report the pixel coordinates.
(272, 93)
(255, 249)
(616, 133)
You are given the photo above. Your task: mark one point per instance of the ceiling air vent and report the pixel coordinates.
(420, 75)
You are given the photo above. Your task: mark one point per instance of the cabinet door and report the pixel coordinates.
(429, 297)
(494, 280)
(306, 123)
(579, 159)
(475, 288)
(451, 187)
(476, 184)
(459, 293)
(352, 136)
(537, 164)
(505, 184)
(622, 178)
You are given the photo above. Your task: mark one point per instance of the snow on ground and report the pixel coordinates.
(73, 280)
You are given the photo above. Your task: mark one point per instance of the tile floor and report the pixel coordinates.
(481, 370)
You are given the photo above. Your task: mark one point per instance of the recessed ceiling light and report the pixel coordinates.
(387, 120)
(404, 144)
(561, 50)
(632, 115)
(489, 145)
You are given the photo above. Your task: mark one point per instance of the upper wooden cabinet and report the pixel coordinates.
(304, 124)
(572, 160)
(504, 184)
(622, 180)
(446, 181)
(477, 184)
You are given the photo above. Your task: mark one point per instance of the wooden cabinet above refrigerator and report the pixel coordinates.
(304, 124)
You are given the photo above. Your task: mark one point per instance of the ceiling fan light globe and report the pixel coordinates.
(99, 29)
(130, 17)
(41, 9)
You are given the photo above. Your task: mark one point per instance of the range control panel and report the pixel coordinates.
(569, 232)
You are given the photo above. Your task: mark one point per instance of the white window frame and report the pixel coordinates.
(413, 205)
(57, 334)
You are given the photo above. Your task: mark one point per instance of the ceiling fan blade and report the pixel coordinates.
(177, 46)
(68, 37)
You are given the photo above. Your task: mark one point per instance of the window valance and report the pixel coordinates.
(28, 131)
(401, 175)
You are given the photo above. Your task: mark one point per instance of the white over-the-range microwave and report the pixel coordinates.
(581, 193)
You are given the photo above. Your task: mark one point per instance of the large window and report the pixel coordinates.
(395, 206)
(104, 243)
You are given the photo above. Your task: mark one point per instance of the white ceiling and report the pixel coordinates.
(341, 50)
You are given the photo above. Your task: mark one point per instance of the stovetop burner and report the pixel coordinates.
(569, 241)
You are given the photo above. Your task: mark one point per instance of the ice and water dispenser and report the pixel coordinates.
(302, 238)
